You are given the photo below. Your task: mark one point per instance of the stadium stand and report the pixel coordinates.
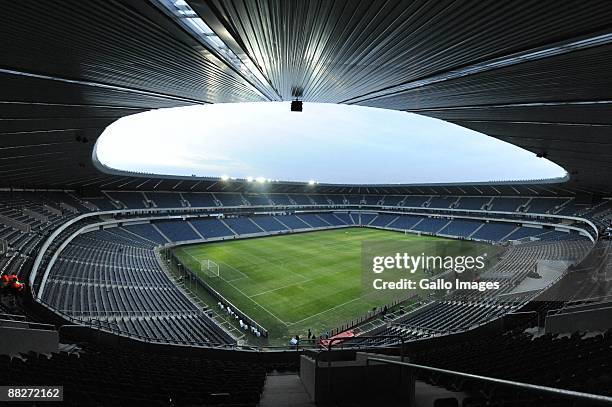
(345, 218)
(242, 226)
(88, 371)
(443, 202)
(471, 202)
(177, 230)
(382, 220)
(301, 199)
(132, 200)
(414, 201)
(392, 200)
(280, 199)
(258, 199)
(105, 276)
(462, 228)
(165, 199)
(230, 199)
(318, 199)
(200, 199)
(494, 232)
(405, 222)
(293, 222)
(430, 225)
(146, 231)
(312, 220)
(211, 228)
(268, 223)
(544, 205)
(130, 329)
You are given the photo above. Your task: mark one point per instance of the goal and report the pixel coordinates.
(209, 267)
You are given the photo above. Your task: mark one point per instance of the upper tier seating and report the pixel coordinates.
(507, 204)
(392, 200)
(103, 203)
(258, 199)
(280, 199)
(415, 201)
(132, 200)
(472, 202)
(200, 199)
(336, 199)
(165, 199)
(318, 199)
(353, 199)
(230, 199)
(300, 199)
(372, 199)
(544, 205)
(442, 201)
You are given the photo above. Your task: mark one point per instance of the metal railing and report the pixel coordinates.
(601, 400)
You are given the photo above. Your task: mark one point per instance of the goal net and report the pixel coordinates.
(209, 267)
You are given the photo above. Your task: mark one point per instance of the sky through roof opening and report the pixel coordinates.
(326, 143)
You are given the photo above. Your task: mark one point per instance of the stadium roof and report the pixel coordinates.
(537, 74)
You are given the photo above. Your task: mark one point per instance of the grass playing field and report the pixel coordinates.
(290, 283)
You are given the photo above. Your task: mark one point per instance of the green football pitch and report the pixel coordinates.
(294, 282)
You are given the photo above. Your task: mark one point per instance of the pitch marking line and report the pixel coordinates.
(327, 310)
(246, 296)
(281, 287)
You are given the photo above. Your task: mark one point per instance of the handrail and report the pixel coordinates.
(510, 383)
(21, 317)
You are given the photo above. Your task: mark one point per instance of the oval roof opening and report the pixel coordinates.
(325, 143)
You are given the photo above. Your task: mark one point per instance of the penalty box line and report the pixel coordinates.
(244, 294)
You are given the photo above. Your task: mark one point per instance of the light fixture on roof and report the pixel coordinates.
(225, 177)
(296, 105)
(297, 92)
(249, 179)
(261, 180)
(312, 182)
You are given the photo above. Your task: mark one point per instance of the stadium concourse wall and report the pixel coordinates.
(145, 216)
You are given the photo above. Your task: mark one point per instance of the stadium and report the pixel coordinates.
(128, 287)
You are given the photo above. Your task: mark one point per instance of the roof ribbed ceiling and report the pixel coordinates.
(537, 74)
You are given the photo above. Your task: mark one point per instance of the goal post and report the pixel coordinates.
(209, 267)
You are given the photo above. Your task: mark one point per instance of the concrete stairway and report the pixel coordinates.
(283, 390)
